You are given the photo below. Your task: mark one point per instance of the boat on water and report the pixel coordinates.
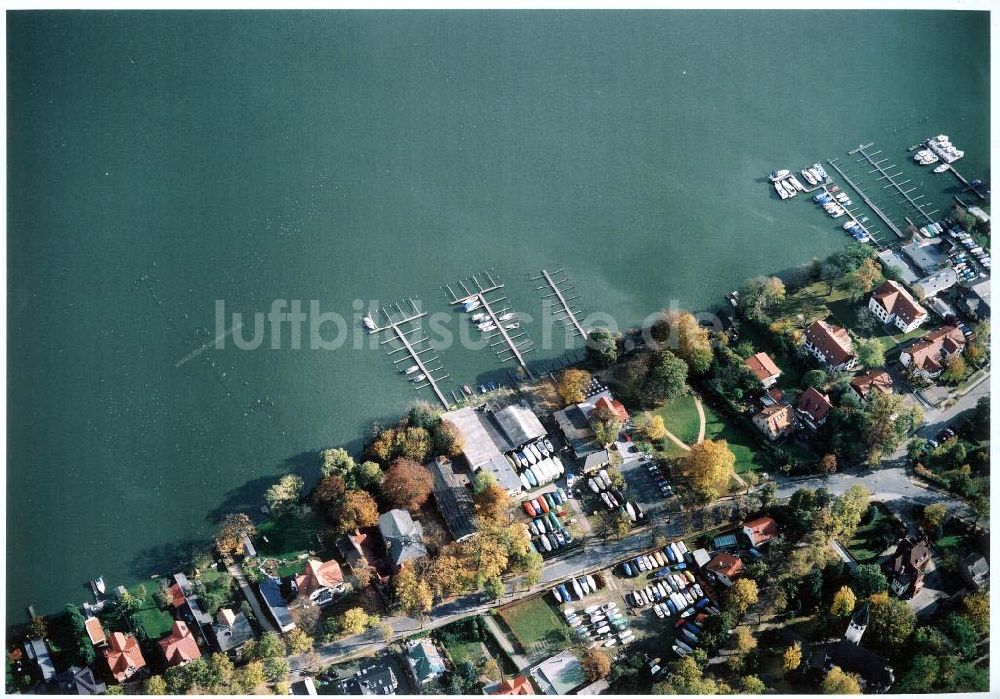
(369, 323)
(506, 316)
(780, 190)
(467, 389)
(418, 378)
(796, 184)
(486, 327)
(471, 305)
(808, 177)
(943, 167)
(410, 370)
(819, 169)
(476, 317)
(512, 326)
(778, 175)
(98, 584)
(789, 188)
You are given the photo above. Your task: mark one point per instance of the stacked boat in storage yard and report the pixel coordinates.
(613, 498)
(547, 513)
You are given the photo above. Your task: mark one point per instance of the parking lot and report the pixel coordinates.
(644, 487)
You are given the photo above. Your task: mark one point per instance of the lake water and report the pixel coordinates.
(161, 162)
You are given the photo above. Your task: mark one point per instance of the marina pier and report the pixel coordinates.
(412, 348)
(886, 174)
(871, 205)
(564, 312)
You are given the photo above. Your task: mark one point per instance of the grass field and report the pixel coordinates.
(743, 445)
(536, 626)
(288, 536)
(153, 622)
(865, 540)
(681, 417)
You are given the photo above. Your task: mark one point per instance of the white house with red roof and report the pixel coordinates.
(764, 368)
(893, 305)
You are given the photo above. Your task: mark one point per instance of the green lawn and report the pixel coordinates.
(150, 618)
(536, 626)
(845, 313)
(465, 650)
(744, 446)
(865, 540)
(681, 417)
(288, 536)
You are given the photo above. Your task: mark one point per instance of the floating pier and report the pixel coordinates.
(968, 185)
(564, 311)
(401, 332)
(886, 174)
(517, 343)
(871, 205)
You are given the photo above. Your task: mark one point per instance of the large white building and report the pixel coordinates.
(893, 305)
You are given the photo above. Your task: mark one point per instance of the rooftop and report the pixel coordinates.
(762, 366)
(454, 499)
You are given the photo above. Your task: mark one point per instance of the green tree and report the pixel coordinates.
(270, 645)
(758, 295)
(963, 634)
(667, 379)
(977, 607)
(337, 462)
(868, 579)
(369, 476)
(276, 669)
(751, 684)
(816, 378)
(602, 347)
(890, 622)
(870, 353)
(494, 588)
(741, 596)
(284, 494)
(155, 685)
(934, 515)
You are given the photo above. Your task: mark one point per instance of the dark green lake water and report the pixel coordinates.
(250, 156)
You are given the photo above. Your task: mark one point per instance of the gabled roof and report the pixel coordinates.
(231, 630)
(814, 404)
(776, 418)
(425, 660)
(762, 366)
(897, 300)
(516, 685)
(270, 590)
(180, 646)
(95, 631)
(927, 352)
(402, 535)
(725, 564)
(77, 680)
(318, 575)
(123, 656)
(761, 529)
(612, 404)
(833, 342)
(454, 499)
(519, 424)
(872, 382)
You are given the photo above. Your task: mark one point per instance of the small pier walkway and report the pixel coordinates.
(410, 346)
(871, 205)
(886, 174)
(564, 312)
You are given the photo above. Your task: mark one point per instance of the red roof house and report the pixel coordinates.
(873, 382)
(814, 406)
(892, 304)
(725, 567)
(95, 631)
(179, 647)
(516, 685)
(928, 355)
(320, 582)
(760, 530)
(764, 368)
(123, 655)
(831, 345)
(612, 404)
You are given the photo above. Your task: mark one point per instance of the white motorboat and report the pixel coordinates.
(369, 323)
(592, 482)
(486, 327)
(418, 378)
(525, 483)
(559, 465)
(512, 326)
(478, 317)
(534, 450)
(778, 175)
(630, 511)
(540, 446)
(532, 458)
(411, 370)
(506, 316)
(471, 305)
(943, 167)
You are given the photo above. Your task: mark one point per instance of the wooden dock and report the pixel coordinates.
(886, 174)
(968, 185)
(478, 291)
(412, 347)
(871, 205)
(564, 311)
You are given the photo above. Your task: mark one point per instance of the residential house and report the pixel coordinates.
(38, 651)
(610, 403)
(934, 284)
(831, 345)
(874, 672)
(761, 530)
(403, 537)
(928, 356)
(123, 656)
(425, 661)
(813, 407)
(764, 368)
(775, 421)
(277, 605)
(76, 680)
(321, 582)
(360, 550)
(906, 567)
(179, 647)
(772, 396)
(95, 632)
(231, 631)
(975, 571)
(867, 385)
(725, 567)
(893, 305)
(453, 496)
(574, 422)
(187, 606)
(975, 300)
(519, 685)
(375, 677)
(304, 687)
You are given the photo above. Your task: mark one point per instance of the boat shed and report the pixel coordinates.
(483, 446)
(891, 259)
(576, 430)
(934, 284)
(454, 499)
(927, 258)
(519, 424)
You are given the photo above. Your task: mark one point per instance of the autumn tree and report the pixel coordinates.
(284, 495)
(709, 465)
(355, 510)
(299, 642)
(412, 591)
(864, 279)
(741, 596)
(407, 484)
(792, 657)
(328, 492)
(614, 523)
(886, 423)
(848, 510)
(234, 527)
(596, 664)
(572, 385)
(934, 515)
(954, 369)
(828, 464)
(155, 685)
(683, 335)
(843, 602)
(493, 503)
(606, 424)
(751, 684)
(839, 682)
(251, 676)
(650, 425)
(977, 607)
(356, 620)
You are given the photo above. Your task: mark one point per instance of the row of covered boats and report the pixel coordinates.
(536, 464)
(787, 185)
(598, 625)
(834, 202)
(939, 147)
(601, 485)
